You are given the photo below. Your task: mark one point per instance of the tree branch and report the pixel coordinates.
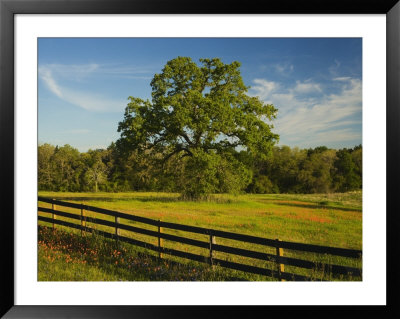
(180, 148)
(187, 139)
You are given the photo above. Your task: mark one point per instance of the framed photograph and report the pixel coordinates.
(326, 68)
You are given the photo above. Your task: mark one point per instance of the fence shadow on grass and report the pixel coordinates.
(139, 198)
(319, 206)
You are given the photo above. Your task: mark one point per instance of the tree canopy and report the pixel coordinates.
(203, 116)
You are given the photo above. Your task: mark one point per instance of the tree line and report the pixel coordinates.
(286, 170)
(201, 133)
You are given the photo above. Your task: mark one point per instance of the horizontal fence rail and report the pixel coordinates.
(277, 258)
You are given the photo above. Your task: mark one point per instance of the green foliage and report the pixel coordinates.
(96, 172)
(315, 175)
(66, 169)
(201, 112)
(207, 173)
(288, 170)
(200, 174)
(348, 175)
(318, 170)
(45, 167)
(263, 185)
(284, 168)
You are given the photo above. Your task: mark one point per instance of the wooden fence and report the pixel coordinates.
(278, 258)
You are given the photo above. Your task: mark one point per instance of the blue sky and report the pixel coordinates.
(316, 84)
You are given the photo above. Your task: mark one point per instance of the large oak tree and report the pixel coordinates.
(202, 116)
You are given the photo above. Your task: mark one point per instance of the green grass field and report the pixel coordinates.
(327, 219)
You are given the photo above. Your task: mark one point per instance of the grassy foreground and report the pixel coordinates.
(326, 219)
(66, 256)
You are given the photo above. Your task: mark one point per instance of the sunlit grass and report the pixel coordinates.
(287, 217)
(328, 219)
(66, 256)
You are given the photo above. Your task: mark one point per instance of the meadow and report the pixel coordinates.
(322, 219)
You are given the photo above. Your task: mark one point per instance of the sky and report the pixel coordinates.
(315, 83)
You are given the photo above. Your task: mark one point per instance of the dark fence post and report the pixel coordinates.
(82, 222)
(212, 242)
(279, 253)
(53, 207)
(160, 240)
(117, 232)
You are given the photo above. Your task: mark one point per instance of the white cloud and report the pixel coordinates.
(72, 72)
(127, 70)
(333, 70)
(325, 138)
(46, 76)
(308, 121)
(284, 69)
(343, 78)
(93, 102)
(68, 69)
(78, 72)
(87, 100)
(264, 88)
(306, 87)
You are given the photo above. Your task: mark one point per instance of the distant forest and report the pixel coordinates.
(286, 170)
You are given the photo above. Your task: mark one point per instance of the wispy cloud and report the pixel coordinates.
(127, 70)
(265, 89)
(309, 115)
(72, 71)
(46, 75)
(284, 69)
(307, 87)
(334, 68)
(343, 78)
(53, 75)
(81, 71)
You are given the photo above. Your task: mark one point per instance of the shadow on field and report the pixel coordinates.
(316, 206)
(178, 265)
(161, 199)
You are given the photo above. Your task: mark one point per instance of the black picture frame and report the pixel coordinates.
(8, 8)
